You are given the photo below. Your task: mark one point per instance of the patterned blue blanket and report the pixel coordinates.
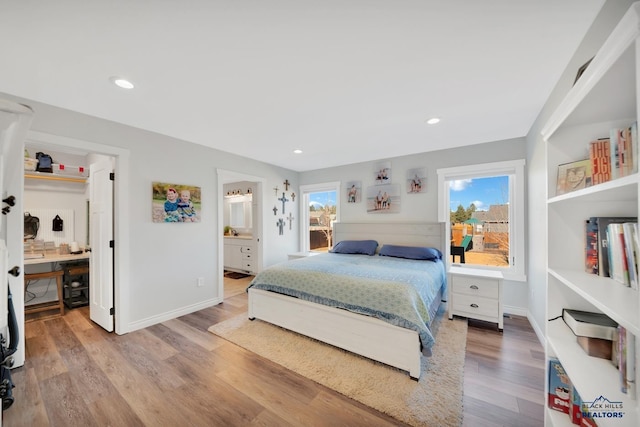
(395, 290)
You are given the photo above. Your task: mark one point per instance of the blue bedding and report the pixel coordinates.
(395, 290)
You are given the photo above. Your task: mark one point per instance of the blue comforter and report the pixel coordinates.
(395, 290)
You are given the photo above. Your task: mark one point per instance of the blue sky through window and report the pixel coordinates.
(482, 192)
(320, 199)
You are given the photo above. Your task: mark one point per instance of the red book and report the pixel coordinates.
(600, 156)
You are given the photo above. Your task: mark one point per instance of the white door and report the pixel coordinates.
(101, 237)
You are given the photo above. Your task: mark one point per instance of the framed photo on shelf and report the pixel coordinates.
(573, 176)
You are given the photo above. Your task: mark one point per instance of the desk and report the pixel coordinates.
(54, 274)
(56, 258)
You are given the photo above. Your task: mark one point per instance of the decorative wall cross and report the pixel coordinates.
(275, 210)
(280, 225)
(276, 190)
(284, 200)
(290, 219)
(293, 197)
(286, 184)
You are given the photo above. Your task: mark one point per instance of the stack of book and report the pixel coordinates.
(595, 332)
(600, 336)
(612, 248)
(615, 156)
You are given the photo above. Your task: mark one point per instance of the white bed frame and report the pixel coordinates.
(364, 335)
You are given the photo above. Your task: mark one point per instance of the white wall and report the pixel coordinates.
(611, 13)
(166, 259)
(423, 206)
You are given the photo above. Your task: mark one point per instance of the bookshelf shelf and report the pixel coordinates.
(576, 363)
(606, 295)
(604, 98)
(625, 188)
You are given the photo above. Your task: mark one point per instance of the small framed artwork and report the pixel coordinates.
(175, 202)
(416, 180)
(573, 176)
(354, 191)
(382, 173)
(383, 198)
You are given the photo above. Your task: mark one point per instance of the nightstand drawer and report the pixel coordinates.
(474, 305)
(478, 286)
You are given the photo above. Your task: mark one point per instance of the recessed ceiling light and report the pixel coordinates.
(120, 82)
(297, 151)
(433, 121)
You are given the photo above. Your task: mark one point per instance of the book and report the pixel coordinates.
(573, 176)
(630, 379)
(590, 324)
(603, 241)
(591, 247)
(633, 137)
(596, 347)
(559, 396)
(622, 357)
(624, 151)
(630, 237)
(618, 268)
(600, 157)
(614, 154)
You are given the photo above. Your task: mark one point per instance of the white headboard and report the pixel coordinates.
(399, 233)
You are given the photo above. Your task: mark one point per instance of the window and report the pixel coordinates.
(322, 207)
(483, 206)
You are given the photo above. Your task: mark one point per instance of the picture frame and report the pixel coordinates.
(175, 203)
(416, 180)
(573, 176)
(382, 173)
(353, 190)
(383, 199)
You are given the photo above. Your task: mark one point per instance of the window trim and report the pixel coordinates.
(304, 211)
(515, 170)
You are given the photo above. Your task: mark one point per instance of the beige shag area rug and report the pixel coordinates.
(434, 400)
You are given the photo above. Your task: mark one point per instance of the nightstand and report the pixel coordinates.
(476, 294)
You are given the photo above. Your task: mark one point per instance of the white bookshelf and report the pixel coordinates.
(605, 96)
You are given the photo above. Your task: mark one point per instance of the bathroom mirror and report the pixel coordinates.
(237, 217)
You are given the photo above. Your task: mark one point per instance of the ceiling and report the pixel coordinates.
(345, 81)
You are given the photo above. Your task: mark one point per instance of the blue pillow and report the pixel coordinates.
(364, 247)
(411, 252)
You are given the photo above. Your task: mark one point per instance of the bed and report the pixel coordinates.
(292, 295)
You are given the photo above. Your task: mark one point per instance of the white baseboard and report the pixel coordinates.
(516, 311)
(536, 328)
(150, 321)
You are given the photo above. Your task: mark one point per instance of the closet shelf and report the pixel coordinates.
(55, 177)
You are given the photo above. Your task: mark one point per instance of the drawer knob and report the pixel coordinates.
(474, 287)
(474, 305)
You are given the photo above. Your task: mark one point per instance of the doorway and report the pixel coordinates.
(120, 256)
(240, 213)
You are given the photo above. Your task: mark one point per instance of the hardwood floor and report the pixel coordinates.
(178, 374)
